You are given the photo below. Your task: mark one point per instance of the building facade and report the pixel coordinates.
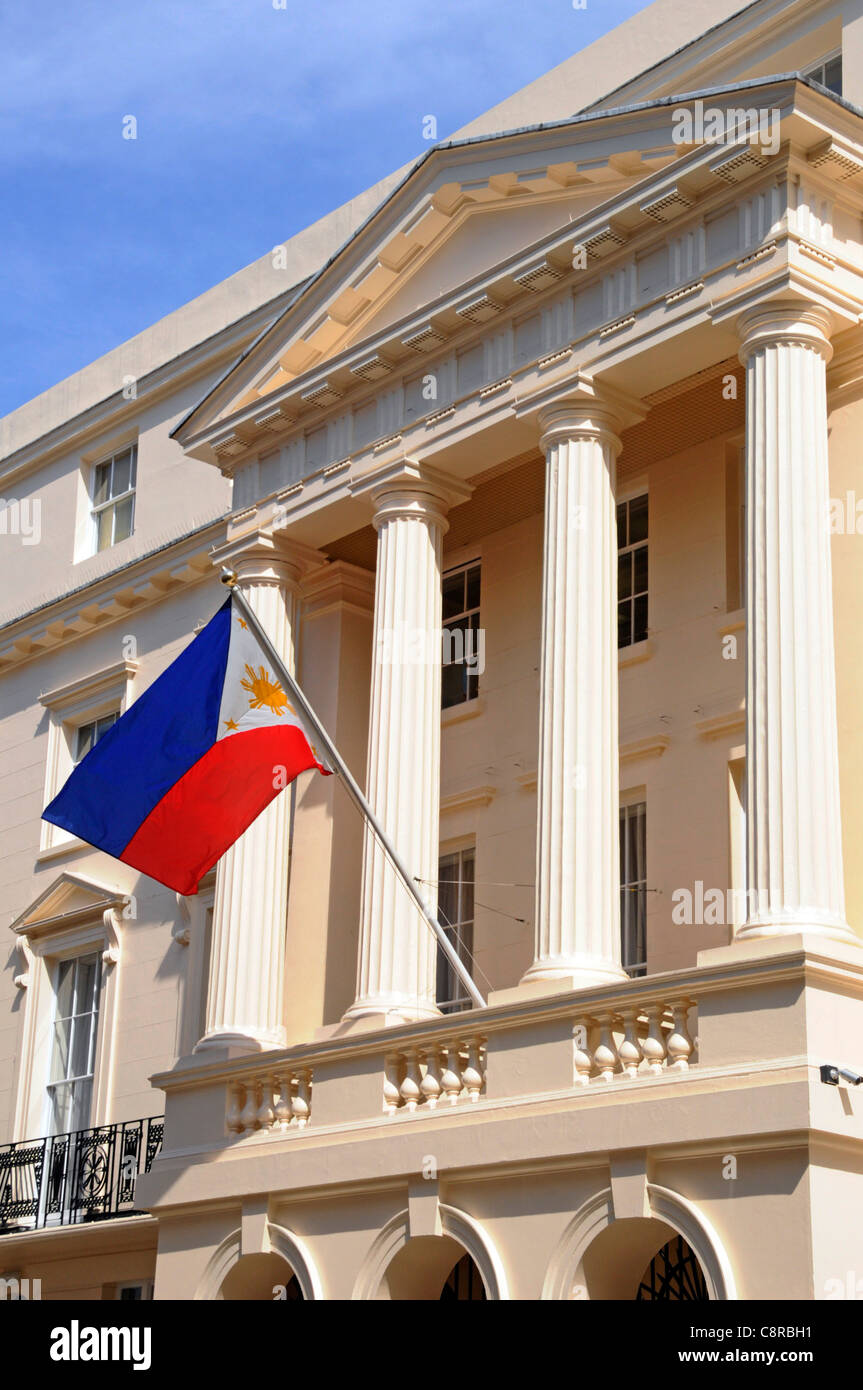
(538, 464)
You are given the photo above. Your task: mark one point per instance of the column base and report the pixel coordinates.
(772, 925)
(561, 975)
(237, 1043)
(386, 1012)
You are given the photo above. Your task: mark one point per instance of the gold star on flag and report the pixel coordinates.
(229, 724)
(243, 622)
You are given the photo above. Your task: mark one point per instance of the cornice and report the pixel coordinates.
(114, 411)
(749, 271)
(469, 799)
(700, 177)
(111, 597)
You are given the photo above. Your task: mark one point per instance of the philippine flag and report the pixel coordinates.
(191, 763)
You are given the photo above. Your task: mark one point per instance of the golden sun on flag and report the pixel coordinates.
(264, 692)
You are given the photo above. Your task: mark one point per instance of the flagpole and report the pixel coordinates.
(353, 788)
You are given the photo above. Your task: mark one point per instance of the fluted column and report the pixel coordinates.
(794, 874)
(245, 994)
(578, 856)
(397, 954)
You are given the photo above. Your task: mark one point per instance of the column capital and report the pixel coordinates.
(588, 409)
(786, 322)
(412, 489)
(267, 556)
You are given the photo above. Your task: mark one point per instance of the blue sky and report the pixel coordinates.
(252, 122)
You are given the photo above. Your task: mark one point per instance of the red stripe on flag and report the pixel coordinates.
(214, 802)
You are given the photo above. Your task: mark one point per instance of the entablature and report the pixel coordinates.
(787, 228)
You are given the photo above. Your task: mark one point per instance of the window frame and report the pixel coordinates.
(112, 501)
(75, 916)
(821, 65)
(461, 567)
(634, 493)
(93, 1013)
(461, 939)
(70, 708)
(635, 800)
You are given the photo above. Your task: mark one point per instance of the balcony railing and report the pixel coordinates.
(66, 1179)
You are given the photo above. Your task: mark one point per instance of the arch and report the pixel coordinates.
(666, 1207)
(458, 1226)
(282, 1242)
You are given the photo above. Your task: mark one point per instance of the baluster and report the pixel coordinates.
(451, 1075)
(629, 1052)
(431, 1082)
(266, 1114)
(301, 1105)
(581, 1059)
(249, 1117)
(410, 1087)
(678, 1042)
(283, 1104)
(235, 1109)
(392, 1094)
(653, 1046)
(472, 1073)
(605, 1055)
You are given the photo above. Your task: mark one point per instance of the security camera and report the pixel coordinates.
(830, 1075)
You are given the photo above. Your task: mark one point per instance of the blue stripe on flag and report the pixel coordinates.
(164, 733)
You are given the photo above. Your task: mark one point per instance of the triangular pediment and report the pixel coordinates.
(464, 211)
(70, 898)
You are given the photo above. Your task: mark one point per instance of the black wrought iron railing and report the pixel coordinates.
(88, 1175)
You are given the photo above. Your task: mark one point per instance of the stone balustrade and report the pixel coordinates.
(609, 1035)
(434, 1072)
(632, 1042)
(276, 1100)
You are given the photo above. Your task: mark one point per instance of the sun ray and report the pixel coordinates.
(264, 692)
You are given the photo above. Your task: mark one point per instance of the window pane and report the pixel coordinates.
(639, 619)
(104, 525)
(60, 1052)
(123, 519)
(84, 741)
(453, 594)
(79, 1061)
(61, 1109)
(80, 1111)
(453, 689)
(624, 575)
(467, 887)
(638, 519)
(621, 525)
(624, 624)
(455, 641)
(448, 890)
(101, 483)
(122, 478)
(635, 857)
(473, 585)
(639, 558)
(65, 988)
(87, 976)
(104, 724)
(833, 76)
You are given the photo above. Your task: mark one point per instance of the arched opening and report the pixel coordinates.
(464, 1283)
(431, 1268)
(674, 1275)
(674, 1254)
(614, 1262)
(260, 1278)
(641, 1259)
